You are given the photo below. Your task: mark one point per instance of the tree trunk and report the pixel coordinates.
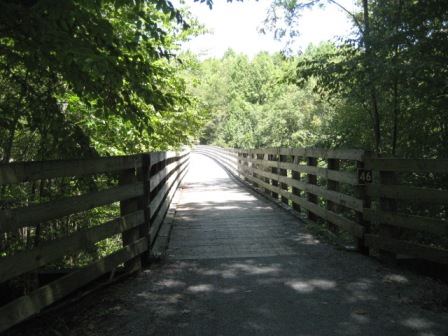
(396, 113)
(371, 85)
(396, 100)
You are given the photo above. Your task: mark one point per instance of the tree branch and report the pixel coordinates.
(357, 23)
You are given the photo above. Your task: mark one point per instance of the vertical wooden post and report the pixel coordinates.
(312, 179)
(156, 163)
(265, 158)
(296, 176)
(145, 200)
(239, 164)
(274, 157)
(359, 219)
(243, 165)
(254, 166)
(387, 204)
(127, 207)
(333, 164)
(283, 172)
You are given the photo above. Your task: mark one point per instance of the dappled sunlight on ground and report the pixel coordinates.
(200, 288)
(396, 278)
(311, 285)
(262, 296)
(422, 326)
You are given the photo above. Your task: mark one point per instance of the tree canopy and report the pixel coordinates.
(249, 105)
(392, 73)
(85, 77)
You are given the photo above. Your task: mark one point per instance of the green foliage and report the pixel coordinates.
(78, 76)
(249, 105)
(85, 78)
(391, 75)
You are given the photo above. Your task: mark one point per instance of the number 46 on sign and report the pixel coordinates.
(364, 176)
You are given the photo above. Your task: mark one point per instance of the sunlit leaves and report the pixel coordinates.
(111, 63)
(392, 75)
(249, 106)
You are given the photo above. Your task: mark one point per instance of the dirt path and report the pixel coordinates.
(238, 265)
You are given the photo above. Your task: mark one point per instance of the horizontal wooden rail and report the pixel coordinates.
(408, 193)
(31, 304)
(407, 165)
(42, 255)
(12, 219)
(410, 222)
(17, 172)
(400, 231)
(340, 154)
(143, 185)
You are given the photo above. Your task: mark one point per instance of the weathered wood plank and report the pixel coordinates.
(389, 205)
(264, 151)
(340, 221)
(411, 222)
(259, 182)
(341, 154)
(295, 189)
(359, 216)
(31, 304)
(292, 151)
(407, 193)
(435, 254)
(333, 186)
(12, 219)
(337, 197)
(17, 172)
(336, 219)
(407, 165)
(340, 176)
(157, 157)
(283, 173)
(157, 201)
(129, 206)
(23, 262)
(160, 175)
(158, 219)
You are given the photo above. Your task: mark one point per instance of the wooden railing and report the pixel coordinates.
(386, 212)
(143, 186)
(411, 208)
(389, 205)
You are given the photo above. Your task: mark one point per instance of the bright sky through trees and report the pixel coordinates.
(234, 25)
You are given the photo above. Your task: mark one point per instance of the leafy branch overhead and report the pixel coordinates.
(115, 56)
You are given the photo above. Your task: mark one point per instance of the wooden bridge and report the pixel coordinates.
(217, 218)
(375, 201)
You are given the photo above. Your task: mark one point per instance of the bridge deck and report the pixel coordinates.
(217, 218)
